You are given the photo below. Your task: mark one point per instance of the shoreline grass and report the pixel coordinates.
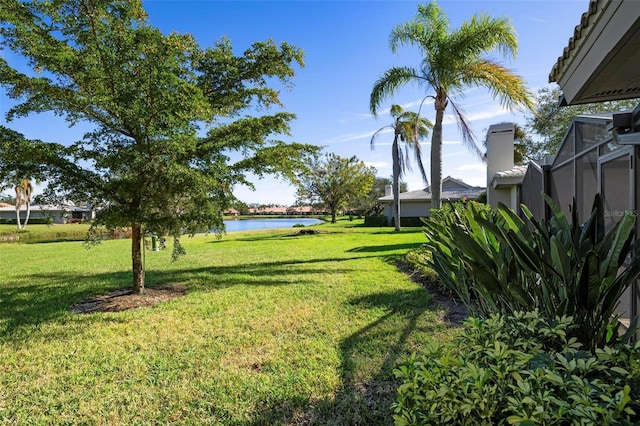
(56, 232)
(276, 328)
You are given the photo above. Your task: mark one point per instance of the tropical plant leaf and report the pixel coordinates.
(588, 291)
(620, 237)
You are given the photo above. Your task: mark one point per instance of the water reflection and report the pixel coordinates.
(253, 224)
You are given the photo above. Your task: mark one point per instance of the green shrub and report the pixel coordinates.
(375, 220)
(298, 225)
(497, 263)
(458, 206)
(32, 221)
(416, 259)
(411, 221)
(520, 369)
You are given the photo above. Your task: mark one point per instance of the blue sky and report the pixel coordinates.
(346, 47)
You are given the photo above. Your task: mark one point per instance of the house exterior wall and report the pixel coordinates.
(57, 215)
(417, 204)
(415, 209)
(408, 209)
(505, 195)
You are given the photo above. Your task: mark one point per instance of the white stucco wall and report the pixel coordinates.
(409, 209)
(507, 196)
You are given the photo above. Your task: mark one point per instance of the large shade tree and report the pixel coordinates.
(452, 61)
(172, 129)
(335, 182)
(408, 128)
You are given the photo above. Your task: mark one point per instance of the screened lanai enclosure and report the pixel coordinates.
(599, 154)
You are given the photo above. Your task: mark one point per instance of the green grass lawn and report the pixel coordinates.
(275, 328)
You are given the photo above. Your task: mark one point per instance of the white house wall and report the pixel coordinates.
(415, 209)
(505, 195)
(409, 209)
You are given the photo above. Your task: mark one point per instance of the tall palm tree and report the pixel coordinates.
(409, 128)
(453, 59)
(24, 191)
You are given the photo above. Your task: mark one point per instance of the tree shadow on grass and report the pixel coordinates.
(43, 299)
(40, 298)
(275, 236)
(387, 247)
(364, 397)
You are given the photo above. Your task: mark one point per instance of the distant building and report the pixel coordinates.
(66, 213)
(281, 210)
(417, 204)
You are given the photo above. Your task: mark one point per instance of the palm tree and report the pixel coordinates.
(409, 128)
(452, 61)
(24, 191)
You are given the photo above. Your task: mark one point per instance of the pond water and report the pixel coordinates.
(253, 224)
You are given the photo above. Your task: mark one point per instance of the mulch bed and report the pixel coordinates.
(455, 311)
(121, 300)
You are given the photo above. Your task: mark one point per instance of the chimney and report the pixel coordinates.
(499, 158)
(388, 190)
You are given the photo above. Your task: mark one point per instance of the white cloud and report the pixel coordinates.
(415, 184)
(348, 138)
(472, 167)
(362, 115)
(378, 144)
(456, 154)
(378, 164)
(539, 20)
(480, 115)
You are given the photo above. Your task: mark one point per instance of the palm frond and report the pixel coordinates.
(417, 153)
(414, 128)
(375, 135)
(481, 35)
(429, 26)
(402, 162)
(468, 137)
(390, 81)
(503, 84)
(396, 111)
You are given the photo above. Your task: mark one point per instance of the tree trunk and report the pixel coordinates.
(26, 219)
(333, 215)
(136, 257)
(18, 214)
(396, 182)
(436, 157)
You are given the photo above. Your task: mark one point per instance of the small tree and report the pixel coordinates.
(335, 182)
(408, 128)
(24, 191)
(149, 96)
